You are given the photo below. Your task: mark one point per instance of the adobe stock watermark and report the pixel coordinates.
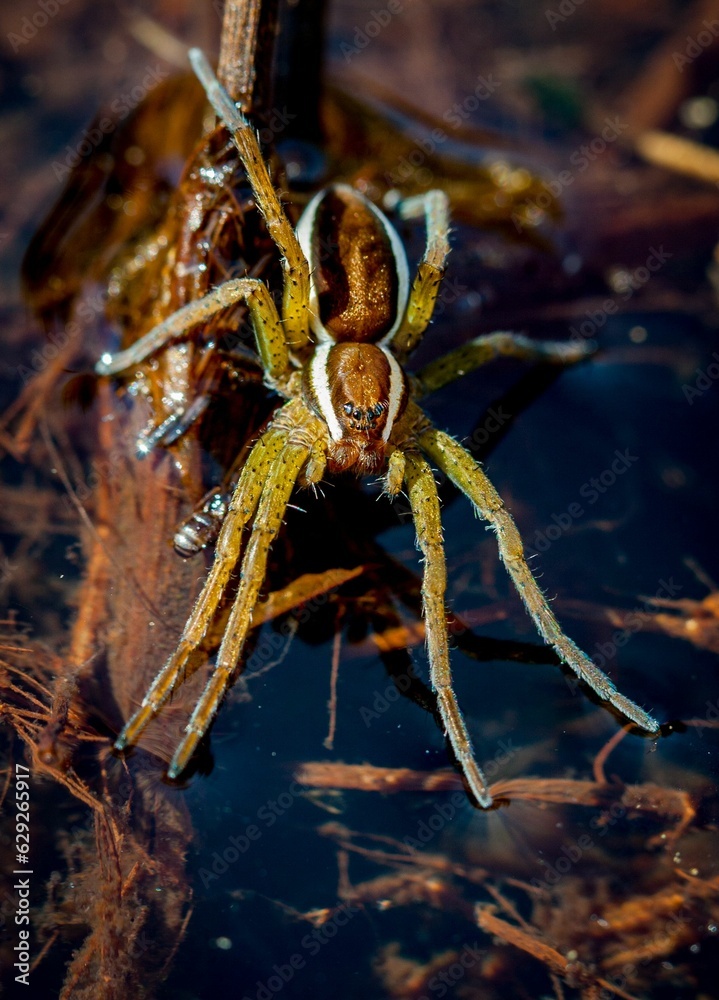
(590, 491)
(460, 111)
(120, 107)
(444, 812)
(239, 843)
(311, 945)
(103, 470)
(580, 159)
(571, 852)
(630, 283)
(414, 163)
(273, 641)
(711, 717)
(30, 25)
(696, 45)
(383, 700)
(375, 25)
(495, 418)
(8, 569)
(440, 984)
(565, 10)
(324, 249)
(654, 945)
(91, 306)
(604, 652)
(705, 379)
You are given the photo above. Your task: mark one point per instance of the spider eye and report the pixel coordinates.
(357, 414)
(347, 408)
(377, 411)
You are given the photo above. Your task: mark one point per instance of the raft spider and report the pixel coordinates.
(334, 352)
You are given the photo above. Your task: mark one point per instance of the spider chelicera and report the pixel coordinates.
(335, 353)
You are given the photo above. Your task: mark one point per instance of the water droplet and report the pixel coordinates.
(699, 112)
(572, 263)
(134, 156)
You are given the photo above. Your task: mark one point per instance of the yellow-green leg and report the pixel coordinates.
(460, 467)
(434, 205)
(424, 501)
(277, 485)
(242, 507)
(478, 352)
(269, 334)
(296, 292)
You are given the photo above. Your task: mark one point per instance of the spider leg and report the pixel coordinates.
(296, 293)
(478, 352)
(434, 205)
(242, 506)
(468, 476)
(172, 427)
(278, 483)
(424, 501)
(269, 335)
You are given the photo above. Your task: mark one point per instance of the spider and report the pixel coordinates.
(335, 352)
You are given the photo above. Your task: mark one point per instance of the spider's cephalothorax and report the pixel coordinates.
(334, 351)
(358, 295)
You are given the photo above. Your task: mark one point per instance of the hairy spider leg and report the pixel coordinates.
(483, 349)
(296, 291)
(434, 205)
(242, 507)
(279, 483)
(423, 498)
(269, 335)
(449, 456)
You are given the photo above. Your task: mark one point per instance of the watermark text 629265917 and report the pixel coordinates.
(21, 875)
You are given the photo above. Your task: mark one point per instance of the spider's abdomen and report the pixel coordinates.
(359, 282)
(359, 390)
